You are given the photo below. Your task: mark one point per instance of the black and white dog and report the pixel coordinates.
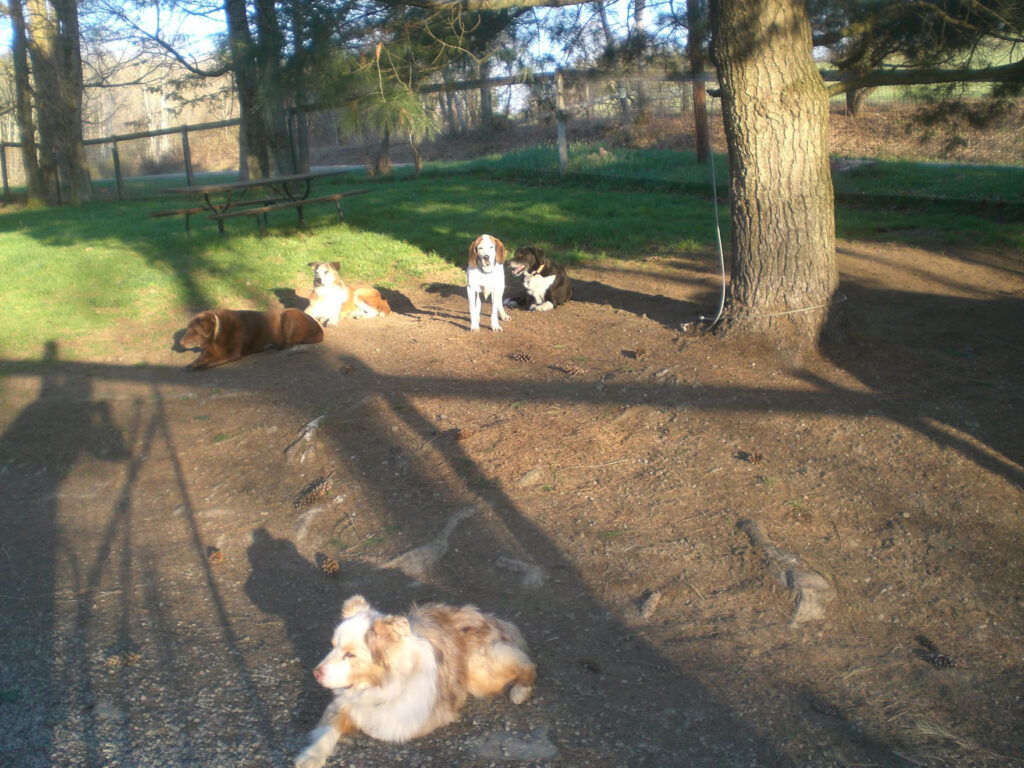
(545, 283)
(485, 279)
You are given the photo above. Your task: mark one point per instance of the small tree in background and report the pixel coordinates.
(373, 101)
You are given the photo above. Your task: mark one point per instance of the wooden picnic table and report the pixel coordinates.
(228, 199)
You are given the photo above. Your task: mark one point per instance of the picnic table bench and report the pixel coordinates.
(191, 211)
(260, 213)
(226, 200)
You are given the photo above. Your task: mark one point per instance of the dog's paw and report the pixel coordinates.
(520, 693)
(322, 742)
(306, 760)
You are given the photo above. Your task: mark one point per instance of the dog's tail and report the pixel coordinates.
(383, 307)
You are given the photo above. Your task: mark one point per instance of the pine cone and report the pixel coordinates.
(522, 357)
(214, 555)
(572, 369)
(313, 492)
(330, 566)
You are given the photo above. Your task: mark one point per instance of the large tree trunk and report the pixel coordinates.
(300, 62)
(696, 18)
(775, 110)
(36, 191)
(253, 156)
(270, 45)
(57, 74)
(68, 47)
(41, 35)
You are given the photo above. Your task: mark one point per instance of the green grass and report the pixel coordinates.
(680, 170)
(960, 182)
(72, 273)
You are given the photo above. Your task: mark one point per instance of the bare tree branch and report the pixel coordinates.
(487, 5)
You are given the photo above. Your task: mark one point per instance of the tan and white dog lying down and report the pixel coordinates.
(226, 335)
(396, 678)
(485, 278)
(332, 300)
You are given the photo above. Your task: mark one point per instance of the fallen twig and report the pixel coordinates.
(305, 436)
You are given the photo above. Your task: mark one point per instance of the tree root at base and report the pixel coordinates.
(813, 591)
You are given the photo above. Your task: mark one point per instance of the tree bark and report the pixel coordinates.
(253, 156)
(694, 47)
(300, 130)
(775, 110)
(44, 76)
(69, 62)
(269, 47)
(382, 163)
(36, 191)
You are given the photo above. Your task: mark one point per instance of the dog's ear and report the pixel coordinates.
(472, 252)
(499, 249)
(213, 322)
(312, 263)
(352, 606)
(336, 265)
(385, 633)
(207, 321)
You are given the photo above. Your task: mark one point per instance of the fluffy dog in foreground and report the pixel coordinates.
(333, 300)
(226, 335)
(545, 283)
(399, 677)
(485, 278)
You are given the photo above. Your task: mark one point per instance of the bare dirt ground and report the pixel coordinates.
(163, 601)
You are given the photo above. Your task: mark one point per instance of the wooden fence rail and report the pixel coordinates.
(559, 78)
(114, 140)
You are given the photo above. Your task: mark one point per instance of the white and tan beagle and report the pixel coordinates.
(485, 279)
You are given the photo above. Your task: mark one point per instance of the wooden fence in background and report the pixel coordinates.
(581, 79)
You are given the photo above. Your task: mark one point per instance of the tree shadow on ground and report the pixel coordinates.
(949, 367)
(564, 623)
(567, 619)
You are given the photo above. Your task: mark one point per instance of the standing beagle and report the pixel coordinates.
(485, 279)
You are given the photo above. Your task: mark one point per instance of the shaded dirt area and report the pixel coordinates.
(602, 455)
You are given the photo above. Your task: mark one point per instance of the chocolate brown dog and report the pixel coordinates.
(226, 335)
